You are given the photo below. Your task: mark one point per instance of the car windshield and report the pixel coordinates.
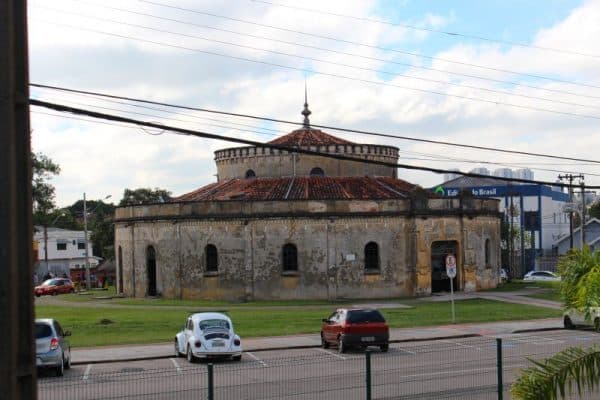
(213, 323)
(50, 282)
(361, 316)
(42, 331)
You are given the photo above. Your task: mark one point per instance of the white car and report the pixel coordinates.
(541, 276)
(208, 334)
(573, 318)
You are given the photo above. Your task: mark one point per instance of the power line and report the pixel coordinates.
(454, 34)
(305, 46)
(72, 110)
(303, 57)
(368, 133)
(364, 44)
(307, 70)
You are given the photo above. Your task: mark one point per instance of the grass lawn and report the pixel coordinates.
(142, 325)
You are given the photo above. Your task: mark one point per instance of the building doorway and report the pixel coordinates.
(439, 280)
(120, 266)
(151, 270)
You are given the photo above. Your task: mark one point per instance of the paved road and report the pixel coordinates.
(461, 368)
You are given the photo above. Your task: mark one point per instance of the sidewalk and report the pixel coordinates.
(166, 350)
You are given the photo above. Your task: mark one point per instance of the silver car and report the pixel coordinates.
(207, 335)
(52, 348)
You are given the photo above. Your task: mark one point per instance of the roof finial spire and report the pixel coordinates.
(306, 112)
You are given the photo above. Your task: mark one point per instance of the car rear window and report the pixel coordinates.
(42, 331)
(359, 316)
(213, 323)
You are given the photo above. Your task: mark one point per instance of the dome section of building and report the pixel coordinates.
(308, 137)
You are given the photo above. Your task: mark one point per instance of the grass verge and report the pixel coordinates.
(100, 326)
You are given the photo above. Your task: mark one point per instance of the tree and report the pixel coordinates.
(579, 289)
(43, 169)
(144, 196)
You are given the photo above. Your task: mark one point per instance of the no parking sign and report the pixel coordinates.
(451, 266)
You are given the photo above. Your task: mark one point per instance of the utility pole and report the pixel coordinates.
(570, 178)
(582, 185)
(88, 280)
(17, 351)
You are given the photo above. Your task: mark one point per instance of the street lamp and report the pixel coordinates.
(61, 214)
(88, 280)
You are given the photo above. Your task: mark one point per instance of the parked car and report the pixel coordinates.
(503, 275)
(541, 276)
(52, 348)
(573, 318)
(54, 286)
(207, 335)
(355, 327)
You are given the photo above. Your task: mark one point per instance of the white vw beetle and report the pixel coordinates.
(206, 335)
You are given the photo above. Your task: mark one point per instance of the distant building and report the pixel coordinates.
(480, 171)
(66, 252)
(449, 176)
(523, 173)
(503, 172)
(592, 238)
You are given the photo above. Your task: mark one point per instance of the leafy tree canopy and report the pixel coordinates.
(43, 169)
(580, 279)
(144, 196)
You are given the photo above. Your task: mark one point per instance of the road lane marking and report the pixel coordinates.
(256, 359)
(332, 354)
(405, 351)
(177, 367)
(86, 374)
(460, 344)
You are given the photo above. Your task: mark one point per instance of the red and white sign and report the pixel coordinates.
(451, 266)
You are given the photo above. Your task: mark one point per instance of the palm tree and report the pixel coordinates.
(573, 367)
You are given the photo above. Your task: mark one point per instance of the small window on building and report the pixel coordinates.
(62, 245)
(316, 171)
(250, 174)
(371, 256)
(290, 258)
(487, 252)
(212, 258)
(81, 245)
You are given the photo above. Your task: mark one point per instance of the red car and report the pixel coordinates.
(54, 286)
(358, 327)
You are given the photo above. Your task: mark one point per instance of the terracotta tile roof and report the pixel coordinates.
(303, 188)
(308, 137)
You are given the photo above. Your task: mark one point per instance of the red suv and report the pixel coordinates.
(355, 327)
(54, 286)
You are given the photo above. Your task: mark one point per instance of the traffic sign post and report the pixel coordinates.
(451, 272)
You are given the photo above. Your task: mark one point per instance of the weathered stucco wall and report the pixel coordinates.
(330, 248)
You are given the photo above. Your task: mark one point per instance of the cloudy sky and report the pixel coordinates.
(510, 74)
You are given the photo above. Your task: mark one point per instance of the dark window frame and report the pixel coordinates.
(317, 171)
(289, 258)
(488, 252)
(372, 263)
(61, 246)
(212, 258)
(250, 174)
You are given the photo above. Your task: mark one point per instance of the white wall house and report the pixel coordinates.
(66, 251)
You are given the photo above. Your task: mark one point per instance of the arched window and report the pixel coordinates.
(151, 271)
(212, 258)
(316, 171)
(487, 252)
(290, 258)
(250, 174)
(371, 256)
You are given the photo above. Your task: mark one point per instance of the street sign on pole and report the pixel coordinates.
(451, 272)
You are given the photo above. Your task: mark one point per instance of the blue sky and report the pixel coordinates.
(81, 51)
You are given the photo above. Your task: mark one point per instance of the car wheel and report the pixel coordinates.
(341, 345)
(68, 363)
(384, 347)
(60, 370)
(54, 293)
(190, 356)
(37, 295)
(597, 324)
(237, 358)
(71, 290)
(568, 323)
(324, 343)
(177, 353)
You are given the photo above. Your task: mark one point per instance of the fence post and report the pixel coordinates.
(211, 384)
(368, 372)
(499, 367)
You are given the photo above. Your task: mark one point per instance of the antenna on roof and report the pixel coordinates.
(306, 112)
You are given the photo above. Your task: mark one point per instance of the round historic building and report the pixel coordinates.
(284, 225)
